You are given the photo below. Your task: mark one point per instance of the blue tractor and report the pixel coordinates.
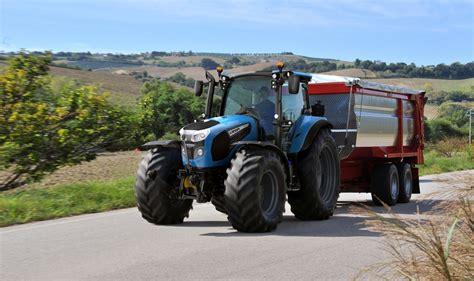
(258, 142)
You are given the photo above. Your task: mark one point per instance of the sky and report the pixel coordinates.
(421, 31)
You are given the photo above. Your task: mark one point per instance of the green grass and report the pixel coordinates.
(436, 163)
(37, 204)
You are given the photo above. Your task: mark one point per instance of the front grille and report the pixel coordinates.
(189, 150)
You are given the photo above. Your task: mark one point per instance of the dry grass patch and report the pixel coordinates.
(438, 245)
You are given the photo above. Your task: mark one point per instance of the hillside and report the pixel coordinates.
(123, 89)
(353, 72)
(115, 73)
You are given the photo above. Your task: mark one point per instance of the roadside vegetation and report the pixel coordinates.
(35, 204)
(437, 246)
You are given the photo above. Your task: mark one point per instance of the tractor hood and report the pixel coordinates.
(209, 142)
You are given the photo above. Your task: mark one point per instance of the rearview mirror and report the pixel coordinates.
(293, 84)
(198, 88)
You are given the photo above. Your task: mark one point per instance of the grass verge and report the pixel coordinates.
(435, 163)
(37, 204)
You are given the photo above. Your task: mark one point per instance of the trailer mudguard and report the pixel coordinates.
(266, 145)
(304, 131)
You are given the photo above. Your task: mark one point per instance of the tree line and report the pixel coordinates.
(440, 71)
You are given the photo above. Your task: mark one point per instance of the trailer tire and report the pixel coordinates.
(254, 194)
(157, 175)
(319, 178)
(405, 182)
(218, 202)
(385, 184)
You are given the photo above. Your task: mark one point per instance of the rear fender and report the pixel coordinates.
(305, 130)
(269, 146)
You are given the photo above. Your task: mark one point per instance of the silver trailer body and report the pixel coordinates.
(364, 120)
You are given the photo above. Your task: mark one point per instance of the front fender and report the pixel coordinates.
(304, 131)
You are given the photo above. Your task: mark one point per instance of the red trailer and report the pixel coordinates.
(379, 132)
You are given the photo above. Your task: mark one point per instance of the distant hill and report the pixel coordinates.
(117, 74)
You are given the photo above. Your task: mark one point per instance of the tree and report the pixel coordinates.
(164, 109)
(41, 130)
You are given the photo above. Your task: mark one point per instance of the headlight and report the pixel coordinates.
(198, 152)
(200, 135)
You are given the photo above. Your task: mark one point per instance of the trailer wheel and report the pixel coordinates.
(319, 177)
(254, 194)
(385, 184)
(406, 182)
(157, 175)
(218, 202)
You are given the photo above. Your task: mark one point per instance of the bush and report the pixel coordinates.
(449, 146)
(456, 113)
(440, 129)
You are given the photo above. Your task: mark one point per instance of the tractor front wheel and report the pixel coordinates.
(254, 194)
(157, 176)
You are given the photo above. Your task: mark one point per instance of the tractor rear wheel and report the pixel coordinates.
(385, 185)
(319, 178)
(157, 176)
(254, 194)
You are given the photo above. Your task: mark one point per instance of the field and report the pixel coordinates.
(197, 73)
(105, 167)
(353, 72)
(124, 89)
(437, 84)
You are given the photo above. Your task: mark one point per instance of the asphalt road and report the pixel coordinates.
(119, 245)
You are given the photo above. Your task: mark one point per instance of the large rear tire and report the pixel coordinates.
(405, 177)
(254, 194)
(319, 178)
(157, 176)
(385, 185)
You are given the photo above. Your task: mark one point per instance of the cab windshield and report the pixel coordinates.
(254, 95)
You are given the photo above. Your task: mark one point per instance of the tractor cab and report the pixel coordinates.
(273, 100)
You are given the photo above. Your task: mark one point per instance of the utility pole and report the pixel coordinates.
(470, 128)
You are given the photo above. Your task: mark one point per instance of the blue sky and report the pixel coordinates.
(423, 32)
